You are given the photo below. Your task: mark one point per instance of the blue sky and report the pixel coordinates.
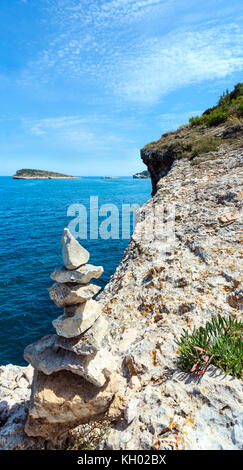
(85, 84)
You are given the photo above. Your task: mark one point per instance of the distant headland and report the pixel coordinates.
(27, 174)
(142, 175)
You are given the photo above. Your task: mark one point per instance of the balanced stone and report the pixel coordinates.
(77, 319)
(63, 400)
(69, 294)
(81, 275)
(48, 358)
(73, 254)
(87, 343)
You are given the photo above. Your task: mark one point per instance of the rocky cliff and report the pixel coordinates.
(182, 267)
(164, 285)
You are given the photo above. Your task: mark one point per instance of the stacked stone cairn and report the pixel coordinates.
(74, 380)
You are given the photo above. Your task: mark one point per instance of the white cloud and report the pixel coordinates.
(106, 43)
(76, 131)
(72, 129)
(171, 62)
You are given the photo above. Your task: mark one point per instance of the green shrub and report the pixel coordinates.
(238, 106)
(229, 104)
(216, 117)
(219, 343)
(195, 121)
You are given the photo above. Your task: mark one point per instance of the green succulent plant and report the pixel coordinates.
(219, 343)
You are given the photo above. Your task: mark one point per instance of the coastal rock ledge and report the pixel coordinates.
(169, 281)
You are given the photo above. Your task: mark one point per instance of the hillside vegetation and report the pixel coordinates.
(230, 106)
(220, 125)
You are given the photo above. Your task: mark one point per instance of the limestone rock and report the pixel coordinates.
(15, 390)
(46, 357)
(77, 319)
(185, 413)
(131, 410)
(68, 294)
(87, 343)
(161, 288)
(117, 407)
(73, 254)
(81, 275)
(62, 401)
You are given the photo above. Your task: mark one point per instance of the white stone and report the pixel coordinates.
(73, 254)
(80, 275)
(89, 342)
(77, 319)
(64, 295)
(46, 357)
(131, 410)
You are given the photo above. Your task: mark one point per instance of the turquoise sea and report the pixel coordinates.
(33, 214)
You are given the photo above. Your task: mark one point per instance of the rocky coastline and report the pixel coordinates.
(162, 286)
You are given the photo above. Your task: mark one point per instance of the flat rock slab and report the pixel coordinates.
(73, 254)
(63, 400)
(87, 343)
(77, 319)
(81, 275)
(48, 358)
(68, 294)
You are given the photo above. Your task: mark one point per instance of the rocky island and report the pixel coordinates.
(28, 174)
(171, 282)
(142, 175)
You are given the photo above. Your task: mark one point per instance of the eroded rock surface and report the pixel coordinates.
(174, 275)
(183, 413)
(15, 390)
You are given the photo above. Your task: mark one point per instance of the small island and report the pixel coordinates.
(142, 175)
(110, 177)
(27, 174)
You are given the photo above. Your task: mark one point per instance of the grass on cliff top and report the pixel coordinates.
(186, 143)
(219, 343)
(199, 136)
(229, 105)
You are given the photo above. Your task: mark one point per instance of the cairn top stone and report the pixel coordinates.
(81, 275)
(73, 254)
(45, 356)
(70, 294)
(77, 319)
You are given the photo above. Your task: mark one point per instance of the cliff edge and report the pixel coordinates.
(164, 286)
